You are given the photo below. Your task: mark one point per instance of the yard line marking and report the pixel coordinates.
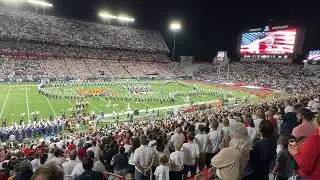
(127, 102)
(51, 107)
(27, 99)
(95, 107)
(108, 102)
(5, 101)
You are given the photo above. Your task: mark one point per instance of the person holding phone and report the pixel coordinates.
(307, 156)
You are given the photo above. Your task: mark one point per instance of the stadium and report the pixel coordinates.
(82, 99)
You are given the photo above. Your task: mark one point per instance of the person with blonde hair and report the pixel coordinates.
(231, 161)
(176, 162)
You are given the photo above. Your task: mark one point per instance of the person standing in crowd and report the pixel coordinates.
(307, 156)
(69, 165)
(285, 164)
(177, 163)
(263, 152)
(289, 120)
(58, 157)
(110, 151)
(252, 131)
(88, 173)
(177, 137)
(120, 162)
(48, 173)
(191, 155)
(131, 165)
(259, 116)
(96, 149)
(301, 132)
(162, 171)
(204, 144)
(231, 161)
(270, 117)
(25, 171)
(215, 138)
(36, 161)
(143, 160)
(160, 149)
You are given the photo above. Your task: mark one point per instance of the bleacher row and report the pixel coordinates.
(83, 68)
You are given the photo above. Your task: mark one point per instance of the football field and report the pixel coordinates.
(24, 100)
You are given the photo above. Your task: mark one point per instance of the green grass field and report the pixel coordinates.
(22, 100)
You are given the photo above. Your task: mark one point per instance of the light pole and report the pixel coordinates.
(174, 27)
(40, 4)
(105, 16)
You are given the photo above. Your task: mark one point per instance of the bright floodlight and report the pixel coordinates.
(123, 18)
(12, 2)
(175, 26)
(106, 15)
(40, 3)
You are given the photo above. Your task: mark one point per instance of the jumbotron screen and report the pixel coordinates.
(268, 42)
(314, 55)
(221, 55)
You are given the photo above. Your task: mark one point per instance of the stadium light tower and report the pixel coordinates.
(12, 2)
(125, 19)
(40, 4)
(174, 27)
(104, 15)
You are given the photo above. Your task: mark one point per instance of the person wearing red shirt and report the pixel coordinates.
(82, 152)
(307, 155)
(71, 147)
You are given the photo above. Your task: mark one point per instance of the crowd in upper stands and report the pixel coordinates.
(27, 26)
(272, 75)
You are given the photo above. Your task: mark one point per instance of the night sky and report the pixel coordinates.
(208, 25)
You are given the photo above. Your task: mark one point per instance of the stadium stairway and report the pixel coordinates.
(109, 69)
(85, 62)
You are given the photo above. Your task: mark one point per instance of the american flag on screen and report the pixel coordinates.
(314, 55)
(274, 42)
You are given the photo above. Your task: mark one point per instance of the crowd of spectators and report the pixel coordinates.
(271, 75)
(28, 26)
(29, 68)
(248, 141)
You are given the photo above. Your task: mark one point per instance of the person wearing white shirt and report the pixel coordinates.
(36, 162)
(58, 158)
(96, 150)
(177, 137)
(78, 168)
(252, 131)
(176, 163)
(143, 159)
(204, 143)
(191, 155)
(260, 116)
(231, 120)
(69, 165)
(215, 138)
(162, 171)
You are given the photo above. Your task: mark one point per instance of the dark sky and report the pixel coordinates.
(208, 25)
